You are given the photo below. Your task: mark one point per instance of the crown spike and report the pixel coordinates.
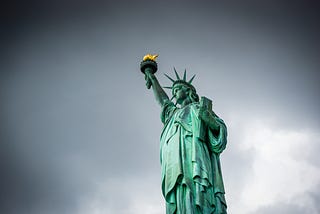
(169, 77)
(190, 81)
(185, 75)
(177, 75)
(168, 87)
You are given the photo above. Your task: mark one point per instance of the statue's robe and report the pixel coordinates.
(190, 164)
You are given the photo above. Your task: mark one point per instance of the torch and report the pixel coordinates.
(149, 65)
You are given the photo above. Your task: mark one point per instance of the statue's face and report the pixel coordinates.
(180, 92)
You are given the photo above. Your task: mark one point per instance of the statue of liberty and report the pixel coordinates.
(191, 142)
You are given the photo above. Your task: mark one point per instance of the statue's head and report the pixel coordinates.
(183, 89)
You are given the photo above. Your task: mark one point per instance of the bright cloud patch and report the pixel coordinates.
(281, 171)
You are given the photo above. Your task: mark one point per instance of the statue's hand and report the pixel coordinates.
(149, 77)
(207, 117)
(204, 115)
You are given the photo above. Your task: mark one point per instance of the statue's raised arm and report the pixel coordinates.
(149, 67)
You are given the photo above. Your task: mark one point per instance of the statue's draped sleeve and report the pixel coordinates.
(217, 143)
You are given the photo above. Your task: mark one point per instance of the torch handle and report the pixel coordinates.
(148, 71)
(148, 67)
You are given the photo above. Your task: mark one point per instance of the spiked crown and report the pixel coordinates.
(182, 81)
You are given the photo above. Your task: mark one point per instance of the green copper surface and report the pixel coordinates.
(191, 142)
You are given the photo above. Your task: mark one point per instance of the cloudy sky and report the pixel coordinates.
(80, 131)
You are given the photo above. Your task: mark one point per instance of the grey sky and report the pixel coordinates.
(80, 131)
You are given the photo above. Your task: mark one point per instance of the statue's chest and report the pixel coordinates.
(183, 116)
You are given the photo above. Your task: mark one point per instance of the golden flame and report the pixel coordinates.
(150, 57)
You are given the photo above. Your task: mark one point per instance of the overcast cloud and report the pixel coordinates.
(80, 131)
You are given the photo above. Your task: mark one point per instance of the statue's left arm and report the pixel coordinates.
(210, 120)
(217, 131)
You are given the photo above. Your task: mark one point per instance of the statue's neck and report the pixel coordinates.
(185, 102)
